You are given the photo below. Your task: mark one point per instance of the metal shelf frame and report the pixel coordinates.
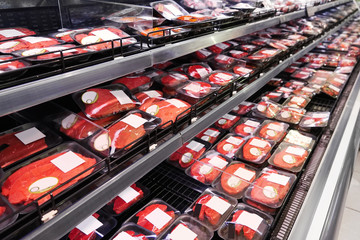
(66, 220)
(20, 97)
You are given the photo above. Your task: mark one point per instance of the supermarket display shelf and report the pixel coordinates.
(30, 94)
(65, 221)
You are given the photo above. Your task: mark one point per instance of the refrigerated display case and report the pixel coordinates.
(315, 191)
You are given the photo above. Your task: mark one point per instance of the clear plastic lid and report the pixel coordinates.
(237, 54)
(286, 91)
(291, 115)
(133, 231)
(267, 108)
(243, 70)
(221, 78)
(227, 121)
(223, 62)
(331, 90)
(243, 108)
(229, 145)
(172, 79)
(197, 70)
(196, 91)
(256, 150)
(169, 9)
(25, 43)
(211, 134)
(246, 127)
(297, 101)
(273, 96)
(264, 54)
(220, 47)
(135, 83)
(315, 119)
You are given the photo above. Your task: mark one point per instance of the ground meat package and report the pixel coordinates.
(155, 216)
(235, 179)
(229, 145)
(101, 102)
(246, 127)
(172, 80)
(39, 175)
(94, 227)
(208, 167)
(289, 157)
(272, 130)
(24, 141)
(246, 222)
(186, 227)
(256, 150)
(132, 230)
(6, 210)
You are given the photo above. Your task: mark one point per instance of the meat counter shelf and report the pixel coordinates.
(30, 94)
(65, 221)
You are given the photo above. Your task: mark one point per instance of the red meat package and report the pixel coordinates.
(8, 65)
(297, 101)
(221, 78)
(16, 32)
(212, 208)
(235, 179)
(246, 127)
(243, 71)
(255, 150)
(244, 108)
(293, 84)
(289, 157)
(132, 231)
(167, 110)
(286, 91)
(275, 82)
(27, 43)
(113, 35)
(303, 139)
(36, 177)
(264, 54)
(315, 119)
(331, 90)
(219, 47)
(208, 168)
(197, 70)
(223, 62)
(188, 153)
(156, 216)
(105, 101)
(23, 141)
(273, 96)
(307, 91)
(271, 188)
(248, 47)
(272, 130)
(172, 79)
(291, 115)
(151, 95)
(229, 145)
(267, 109)
(227, 121)
(135, 83)
(65, 36)
(210, 134)
(246, 222)
(195, 91)
(238, 54)
(203, 54)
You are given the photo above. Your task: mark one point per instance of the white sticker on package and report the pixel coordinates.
(181, 232)
(258, 143)
(178, 76)
(158, 218)
(244, 174)
(30, 135)
(222, 46)
(205, 52)
(193, 87)
(306, 89)
(153, 74)
(134, 120)
(105, 34)
(222, 58)
(177, 103)
(121, 97)
(295, 151)
(274, 94)
(224, 76)
(249, 220)
(124, 236)
(202, 72)
(269, 52)
(129, 194)
(67, 161)
(275, 127)
(320, 115)
(339, 80)
(278, 179)
(298, 100)
(195, 146)
(218, 162)
(252, 123)
(152, 94)
(9, 33)
(336, 89)
(229, 117)
(174, 10)
(234, 140)
(211, 133)
(218, 205)
(33, 40)
(89, 225)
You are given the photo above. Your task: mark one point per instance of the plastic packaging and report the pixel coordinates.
(301, 74)
(210, 134)
(249, 48)
(229, 145)
(186, 155)
(23, 141)
(223, 62)
(235, 179)
(244, 108)
(271, 188)
(238, 54)
(203, 54)
(6, 211)
(242, 70)
(135, 83)
(293, 84)
(197, 70)
(315, 119)
(219, 47)
(246, 222)
(297, 101)
(227, 121)
(132, 230)
(196, 91)
(305, 140)
(264, 54)
(172, 79)
(65, 35)
(27, 43)
(337, 79)
(273, 96)
(289, 157)
(286, 91)
(256, 150)
(331, 90)
(193, 18)
(267, 109)
(160, 32)
(272, 130)
(10, 69)
(155, 216)
(275, 82)
(105, 101)
(221, 78)
(306, 91)
(291, 115)
(149, 95)
(212, 208)
(168, 9)
(246, 127)
(16, 32)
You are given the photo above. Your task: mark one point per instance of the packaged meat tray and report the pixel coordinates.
(135, 83)
(289, 157)
(186, 155)
(5, 211)
(101, 102)
(193, 18)
(155, 216)
(221, 78)
(275, 82)
(291, 69)
(249, 48)
(246, 127)
(203, 54)
(227, 121)
(271, 188)
(264, 54)
(208, 167)
(296, 102)
(196, 91)
(211, 134)
(235, 179)
(291, 115)
(243, 70)
(344, 70)
(150, 95)
(267, 109)
(306, 91)
(10, 68)
(168, 110)
(26, 43)
(315, 119)
(186, 227)
(93, 227)
(24, 141)
(303, 139)
(133, 231)
(124, 133)
(169, 9)
(16, 32)
(244, 108)
(162, 32)
(293, 84)
(237, 54)
(65, 35)
(229, 145)
(246, 222)
(256, 150)
(97, 37)
(272, 130)
(286, 91)
(219, 47)
(338, 80)
(33, 179)
(197, 70)
(172, 79)
(273, 96)
(301, 74)
(126, 199)
(331, 90)
(212, 208)
(223, 62)
(163, 65)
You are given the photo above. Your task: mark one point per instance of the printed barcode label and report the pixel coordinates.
(250, 220)
(275, 127)
(89, 225)
(30, 135)
(67, 161)
(218, 162)
(134, 120)
(211, 133)
(195, 146)
(229, 117)
(158, 218)
(218, 205)
(194, 87)
(9, 33)
(252, 123)
(105, 35)
(244, 174)
(295, 151)
(121, 96)
(334, 88)
(258, 143)
(278, 179)
(33, 40)
(298, 100)
(235, 141)
(129, 194)
(177, 103)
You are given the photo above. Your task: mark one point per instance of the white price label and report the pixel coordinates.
(152, 94)
(67, 161)
(249, 220)
(222, 58)
(205, 52)
(105, 34)
(235, 141)
(134, 120)
(158, 218)
(269, 52)
(339, 80)
(218, 162)
(89, 225)
(224, 76)
(124, 236)
(295, 151)
(178, 76)
(336, 89)
(321, 115)
(194, 87)
(121, 96)
(244, 174)
(218, 205)
(9, 33)
(177, 103)
(30, 135)
(278, 179)
(252, 123)
(129, 194)
(274, 94)
(202, 72)
(174, 10)
(229, 117)
(258, 143)
(195, 146)
(275, 127)
(309, 90)
(222, 46)
(211, 133)
(181, 232)
(298, 100)
(33, 40)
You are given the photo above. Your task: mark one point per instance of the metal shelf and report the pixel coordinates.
(65, 221)
(30, 94)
